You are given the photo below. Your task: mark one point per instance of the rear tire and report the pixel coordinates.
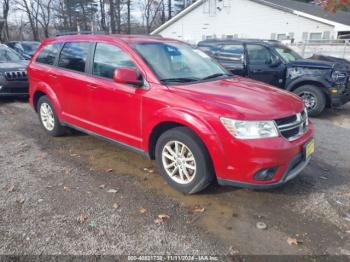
(314, 99)
(48, 117)
(183, 160)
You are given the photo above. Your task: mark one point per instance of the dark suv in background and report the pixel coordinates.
(319, 82)
(13, 74)
(25, 48)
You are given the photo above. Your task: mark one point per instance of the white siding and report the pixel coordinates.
(242, 18)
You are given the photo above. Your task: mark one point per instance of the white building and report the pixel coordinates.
(262, 19)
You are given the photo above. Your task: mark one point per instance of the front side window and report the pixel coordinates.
(287, 54)
(178, 62)
(108, 58)
(8, 55)
(259, 55)
(48, 54)
(73, 56)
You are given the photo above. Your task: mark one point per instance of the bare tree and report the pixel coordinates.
(152, 10)
(103, 15)
(45, 15)
(128, 19)
(4, 32)
(31, 9)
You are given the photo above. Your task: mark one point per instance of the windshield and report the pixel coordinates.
(287, 54)
(30, 47)
(177, 62)
(8, 55)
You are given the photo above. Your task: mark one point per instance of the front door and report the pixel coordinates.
(116, 107)
(264, 66)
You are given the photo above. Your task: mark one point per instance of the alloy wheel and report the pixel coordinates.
(47, 116)
(179, 162)
(309, 99)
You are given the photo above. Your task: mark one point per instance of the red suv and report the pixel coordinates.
(176, 105)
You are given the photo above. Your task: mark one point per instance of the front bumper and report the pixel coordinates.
(339, 100)
(13, 88)
(244, 159)
(295, 167)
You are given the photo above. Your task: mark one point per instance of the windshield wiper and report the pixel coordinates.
(179, 79)
(215, 75)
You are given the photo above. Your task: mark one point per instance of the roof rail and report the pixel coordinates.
(81, 33)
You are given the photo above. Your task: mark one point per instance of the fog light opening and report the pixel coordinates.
(265, 174)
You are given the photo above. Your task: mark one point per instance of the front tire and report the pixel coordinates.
(48, 117)
(314, 99)
(183, 160)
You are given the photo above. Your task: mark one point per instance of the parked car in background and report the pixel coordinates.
(13, 74)
(175, 104)
(320, 83)
(25, 48)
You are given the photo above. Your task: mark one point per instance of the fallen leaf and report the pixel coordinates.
(324, 177)
(112, 191)
(149, 170)
(20, 199)
(115, 205)
(142, 210)
(163, 216)
(102, 186)
(73, 155)
(194, 219)
(82, 218)
(92, 225)
(67, 189)
(199, 210)
(109, 170)
(292, 241)
(11, 188)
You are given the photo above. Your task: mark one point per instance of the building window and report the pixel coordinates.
(281, 37)
(326, 35)
(315, 36)
(273, 36)
(305, 36)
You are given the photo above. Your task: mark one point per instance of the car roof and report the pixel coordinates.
(128, 39)
(240, 41)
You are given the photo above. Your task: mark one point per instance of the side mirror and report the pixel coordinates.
(275, 61)
(127, 75)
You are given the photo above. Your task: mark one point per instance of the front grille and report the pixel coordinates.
(16, 76)
(292, 127)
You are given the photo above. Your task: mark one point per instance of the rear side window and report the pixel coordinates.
(48, 54)
(74, 55)
(108, 58)
(233, 52)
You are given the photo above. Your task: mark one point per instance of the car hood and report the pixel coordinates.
(241, 98)
(312, 63)
(13, 66)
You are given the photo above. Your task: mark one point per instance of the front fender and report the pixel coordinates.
(198, 125)
(318, 79)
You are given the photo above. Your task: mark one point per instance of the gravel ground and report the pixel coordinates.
(79, 195)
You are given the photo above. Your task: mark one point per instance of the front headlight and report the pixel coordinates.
(250, 129)
(338, 76)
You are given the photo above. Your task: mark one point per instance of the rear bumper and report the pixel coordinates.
(295, 167)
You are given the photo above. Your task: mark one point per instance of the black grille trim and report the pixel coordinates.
(292, 127)
(16, 76)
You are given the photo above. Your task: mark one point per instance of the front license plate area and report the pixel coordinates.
(309, 149)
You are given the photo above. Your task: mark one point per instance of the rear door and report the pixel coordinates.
(73, 85)
(263, 65)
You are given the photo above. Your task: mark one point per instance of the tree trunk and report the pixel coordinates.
(119, 16)
(112, 15)
(128, 17)
(169, 9)
(103, 15)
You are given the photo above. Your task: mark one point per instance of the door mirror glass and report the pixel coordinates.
(127, 75)
(275, 61)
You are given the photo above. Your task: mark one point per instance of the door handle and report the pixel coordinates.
(257, 71)
(92, 86)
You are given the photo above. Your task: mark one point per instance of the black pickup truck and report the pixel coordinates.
(320, 81)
